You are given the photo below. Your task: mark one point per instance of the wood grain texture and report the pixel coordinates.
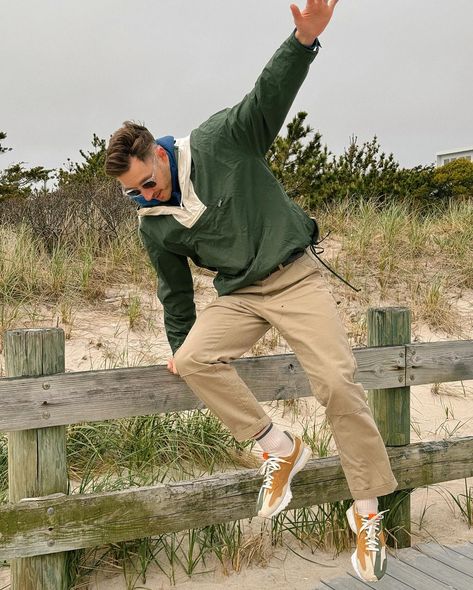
(447, 574)
(392, 326)
(90, 396)
(439, 362)
(60, 523)
(36, 458)
(448, 557)
(405, 574)
(402, 572)
(389, 327)
(118, 393)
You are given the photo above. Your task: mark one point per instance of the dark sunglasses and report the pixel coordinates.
(136, 192)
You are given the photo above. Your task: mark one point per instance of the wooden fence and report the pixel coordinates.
(38, 400)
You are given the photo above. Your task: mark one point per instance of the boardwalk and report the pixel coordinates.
(426, 567)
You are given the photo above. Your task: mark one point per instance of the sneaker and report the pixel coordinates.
(369, 560)
(275, 493)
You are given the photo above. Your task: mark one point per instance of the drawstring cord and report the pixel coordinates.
(316, 250)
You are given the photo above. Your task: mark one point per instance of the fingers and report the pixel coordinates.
(172, 366)
(329, 3)
(296, 13)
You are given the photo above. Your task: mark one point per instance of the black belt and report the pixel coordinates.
(291, 258)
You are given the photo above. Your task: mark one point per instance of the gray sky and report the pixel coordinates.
(395, 68)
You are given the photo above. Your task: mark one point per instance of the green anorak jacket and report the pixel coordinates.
(235, 217)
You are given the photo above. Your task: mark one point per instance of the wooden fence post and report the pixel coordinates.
(391, 326)
(37, 458)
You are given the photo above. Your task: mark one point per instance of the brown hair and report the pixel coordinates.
(130, 140)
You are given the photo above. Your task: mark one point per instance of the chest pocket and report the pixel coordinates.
(217, 240)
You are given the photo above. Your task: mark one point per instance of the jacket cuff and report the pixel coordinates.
(316, 45)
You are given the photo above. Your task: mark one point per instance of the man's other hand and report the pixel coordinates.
(311, 21)
(172, 366)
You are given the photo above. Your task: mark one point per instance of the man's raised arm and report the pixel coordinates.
(254, 122)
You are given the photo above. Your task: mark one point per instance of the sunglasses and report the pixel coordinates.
(151, 183)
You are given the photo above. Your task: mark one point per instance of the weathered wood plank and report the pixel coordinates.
(439, 362)
(399, 575)
(118, 393)
(447, 557)
(36, 458)
(437, 570)
(387, 582)
(390, 326)
(465, 550)
(392, 413)
(407, 574)
(348, 584)
(51, 524)
(101, 395)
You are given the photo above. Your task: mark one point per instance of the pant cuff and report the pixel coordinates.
(383, 490)
(251, 431)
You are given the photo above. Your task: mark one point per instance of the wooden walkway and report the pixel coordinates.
(429, 566)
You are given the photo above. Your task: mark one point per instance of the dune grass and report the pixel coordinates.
(394, 252)
(398, 255)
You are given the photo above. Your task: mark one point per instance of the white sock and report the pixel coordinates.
(275, 442)
(367, 507)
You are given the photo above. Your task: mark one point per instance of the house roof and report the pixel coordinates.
(458, 151)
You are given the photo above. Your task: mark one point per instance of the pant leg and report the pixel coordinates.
(305, 312)
(222, 332)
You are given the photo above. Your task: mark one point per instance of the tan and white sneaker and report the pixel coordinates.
(369, 559)
(275, 493)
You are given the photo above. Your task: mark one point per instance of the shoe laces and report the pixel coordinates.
(271, 464)
(371, 525)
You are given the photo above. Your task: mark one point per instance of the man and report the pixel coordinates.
(212, 198)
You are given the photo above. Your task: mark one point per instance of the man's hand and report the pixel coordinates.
(311, 22)
(172, 366)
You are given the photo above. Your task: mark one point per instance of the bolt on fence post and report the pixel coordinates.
(36, 458)
(391, 326)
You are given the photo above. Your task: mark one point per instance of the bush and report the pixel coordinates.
(311, 173)
(63, 217)
(454, 179)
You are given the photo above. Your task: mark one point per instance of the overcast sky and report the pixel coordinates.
(400, 69)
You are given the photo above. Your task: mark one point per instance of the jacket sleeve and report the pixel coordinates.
(175, 292)
(256, 120)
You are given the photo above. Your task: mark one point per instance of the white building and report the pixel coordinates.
(446, 157)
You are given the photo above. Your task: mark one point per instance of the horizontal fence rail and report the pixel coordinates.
(439, 362)
(61, 523)
(70, 398)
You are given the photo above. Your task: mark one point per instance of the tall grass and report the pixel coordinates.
(150, 449)
(465, 503)
(31, 275)
(395, 252)
(29, 271)
(399, 254)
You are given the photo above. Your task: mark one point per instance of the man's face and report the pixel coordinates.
(155, 168)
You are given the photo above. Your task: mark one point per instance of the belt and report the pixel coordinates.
(291, 258)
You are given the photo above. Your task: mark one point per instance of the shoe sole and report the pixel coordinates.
(354, 560)
(298, 465)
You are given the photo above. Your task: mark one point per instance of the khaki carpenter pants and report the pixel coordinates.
(297, 301)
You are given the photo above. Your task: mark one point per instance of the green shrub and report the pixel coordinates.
(454, 179)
